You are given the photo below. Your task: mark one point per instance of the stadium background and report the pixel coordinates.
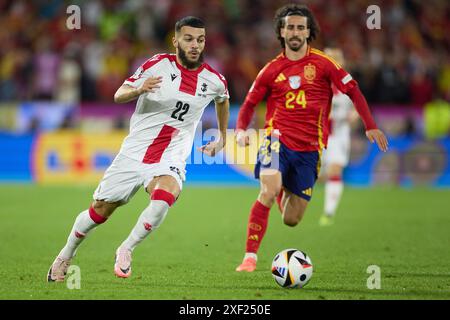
(53, 79)
(60, 129)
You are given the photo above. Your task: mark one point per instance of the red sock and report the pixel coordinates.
(257, 225)
(279, 198)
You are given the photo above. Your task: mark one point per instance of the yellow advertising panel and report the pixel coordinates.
(74, 157)
(243, 159)
(8, 116)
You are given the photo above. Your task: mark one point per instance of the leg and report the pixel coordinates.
(86, 221)
(282, 199)
(333, 188)
(294, 208)
(281, 203)
(118, 185)
(164, 190)
(338, 155)
(97, 214)
(104, 209)
(298, 186)
(333, 192)
(270, 181)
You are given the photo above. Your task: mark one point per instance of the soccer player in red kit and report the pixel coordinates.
(298, 87)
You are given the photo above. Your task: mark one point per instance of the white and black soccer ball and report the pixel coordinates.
(292, 268)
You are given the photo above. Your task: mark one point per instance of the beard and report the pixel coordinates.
(295, 47)
(189, 64)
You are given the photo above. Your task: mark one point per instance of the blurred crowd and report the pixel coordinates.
(407, 61)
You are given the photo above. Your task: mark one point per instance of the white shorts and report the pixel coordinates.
(125, 176)
(337, 152)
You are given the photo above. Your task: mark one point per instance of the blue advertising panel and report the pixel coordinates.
(69, 156)
(15, 157)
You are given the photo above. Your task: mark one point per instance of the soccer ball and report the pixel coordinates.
(292, 268)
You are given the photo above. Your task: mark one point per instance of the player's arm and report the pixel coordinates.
(372, 132)
(142, 81)
(254, 96)
(345, 83)
(128, 93)
(223, 114)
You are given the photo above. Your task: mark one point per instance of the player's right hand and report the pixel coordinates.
(150, 85)
(242, 138)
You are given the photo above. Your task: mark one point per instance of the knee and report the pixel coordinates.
(290, 221)
(335, 171)
(98, 205)
(103, 208)
(270, 194)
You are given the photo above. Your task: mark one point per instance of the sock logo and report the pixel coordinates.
(79, 235)
(255, 226)
(253, 237)
(147, 226)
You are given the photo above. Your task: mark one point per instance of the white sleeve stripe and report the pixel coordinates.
(346, 79)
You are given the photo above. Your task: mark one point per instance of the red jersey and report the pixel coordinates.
(299, 95)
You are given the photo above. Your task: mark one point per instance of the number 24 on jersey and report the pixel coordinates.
(299, 99)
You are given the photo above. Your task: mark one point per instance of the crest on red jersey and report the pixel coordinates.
(295, 82)
(309, 72)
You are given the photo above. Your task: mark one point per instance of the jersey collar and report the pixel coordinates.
(283, 53)
(185, 70)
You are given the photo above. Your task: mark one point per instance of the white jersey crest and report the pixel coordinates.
(163, 125)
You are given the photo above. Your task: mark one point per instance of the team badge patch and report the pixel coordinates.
(255, 226)
(295, 82)
(309, 72)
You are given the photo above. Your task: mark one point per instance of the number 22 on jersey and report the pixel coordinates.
(299, 99)
(180, 106)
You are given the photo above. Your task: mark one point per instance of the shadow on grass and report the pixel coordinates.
(365, 293)
(423, 275)
(408, 294)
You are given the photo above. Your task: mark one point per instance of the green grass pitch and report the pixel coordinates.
(406, 232)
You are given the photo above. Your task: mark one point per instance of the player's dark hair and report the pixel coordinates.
(189, 21)
(295, 9)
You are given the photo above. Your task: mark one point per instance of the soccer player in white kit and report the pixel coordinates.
(336, 157)
(172, 90)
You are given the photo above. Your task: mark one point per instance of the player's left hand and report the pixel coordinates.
(212, 147)
(376, 135)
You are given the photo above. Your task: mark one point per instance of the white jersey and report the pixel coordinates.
(340, 113)
(163, 125)
(338, 150)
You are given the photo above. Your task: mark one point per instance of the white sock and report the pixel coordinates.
(83, 224)
(150, 219)
(333, 192)
(251, 255)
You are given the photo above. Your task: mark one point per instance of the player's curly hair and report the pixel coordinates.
(295, 9)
